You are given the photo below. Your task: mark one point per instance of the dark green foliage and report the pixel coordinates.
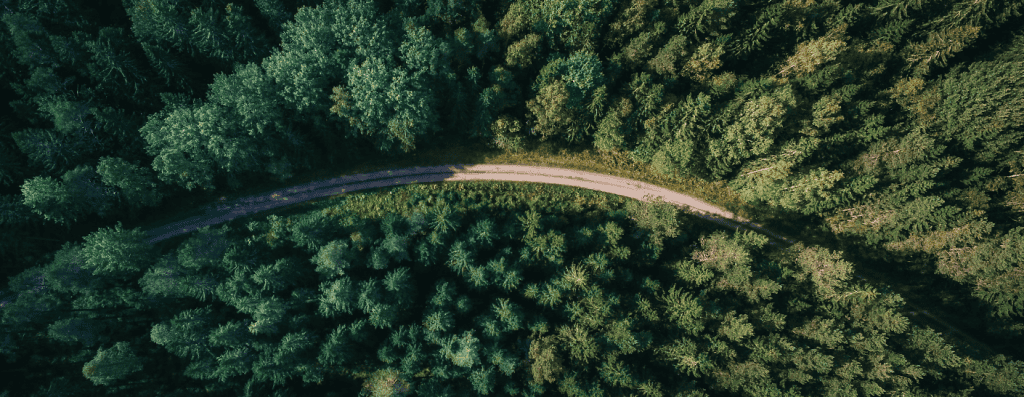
(843, 113)
(53, 150)
(78, 330)
(229, 34)
(281, 363)
(208, 247)
(970, 117)
(168, 278)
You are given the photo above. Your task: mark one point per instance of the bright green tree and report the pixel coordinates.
(118, 253)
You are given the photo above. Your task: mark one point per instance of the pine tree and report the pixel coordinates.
(77, 329)
(978, 111)
(940, 45)
(118, 253)
(167, 278)
(523, 53)
(186, 333)
(751, 131)
(580, 344)
(546, 362)
(111, 365)
(338, 296)
(134, 184)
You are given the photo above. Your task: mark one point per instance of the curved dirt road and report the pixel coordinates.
(222, 212)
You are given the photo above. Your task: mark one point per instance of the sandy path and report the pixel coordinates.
(222, 212)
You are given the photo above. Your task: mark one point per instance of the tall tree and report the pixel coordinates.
(978, 111)
(231, 36)
(50, 199)
(113, 364)
(80, 194)
(252, 95)
(386, 104)
(186, 334)
(751, 131)
(117, 253)
(990, 268)
(169, 279)
(284, 360)
(575, 24)
(135, 185)
(54, 151)
(114, 67)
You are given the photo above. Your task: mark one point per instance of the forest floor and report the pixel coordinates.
(608, 172)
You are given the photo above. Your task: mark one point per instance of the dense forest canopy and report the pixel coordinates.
(895, 125)
(448, 290)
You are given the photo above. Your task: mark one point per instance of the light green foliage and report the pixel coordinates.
(517, 19)
(640, 48)
(735, 327)
(111, 365)
(666, 61)
(523, 53)
(580, 343)
(683, 310)
(50, 199)
(939, 46)
(424, 53)
(386, 383)
(190, 143)
(708, 18)
(333, 258)
(118, 253)
(313, 54)
(135, 185)
(632, 17)
(809, 55)
(386, 104)
(547, 363)
(338, 296)
(463, 351)
(185, 335)
(731, 259)
(827, 270)
(575, 24)
(657, 216)
(755, 120)
(79, 193)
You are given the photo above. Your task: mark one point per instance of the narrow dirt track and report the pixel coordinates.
(223, 212)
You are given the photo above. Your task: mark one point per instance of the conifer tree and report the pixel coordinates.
(111, 365)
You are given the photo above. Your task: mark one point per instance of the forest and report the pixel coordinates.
(894, 126)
